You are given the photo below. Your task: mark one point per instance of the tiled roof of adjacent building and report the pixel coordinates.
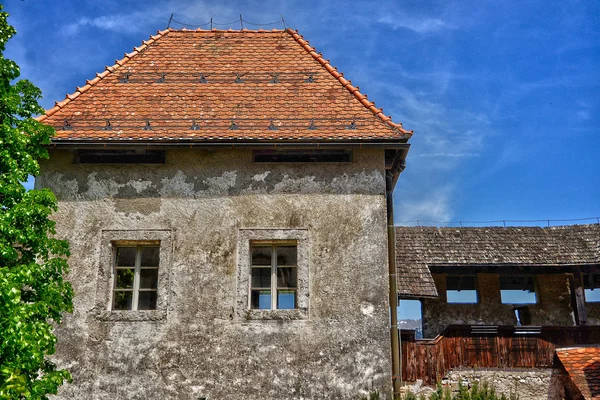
(583, 366)
(214, 85)
(420, 247)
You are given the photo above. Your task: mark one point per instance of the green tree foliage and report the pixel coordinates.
(33, 294)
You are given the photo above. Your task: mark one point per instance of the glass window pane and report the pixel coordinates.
(124, 278)
(261, 299)
(286, 299)
(126, 256)
(122, 300)
(261, 277)
(147, 300)
(261, 255)
(286, 277)
(286, 255)
(148, 278)
(150, 256)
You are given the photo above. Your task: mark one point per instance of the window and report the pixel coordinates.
(517, 290)
(135, 277)
(293, 156)
(461, 289)
(591, 285)
(140, 156)
(274, 275)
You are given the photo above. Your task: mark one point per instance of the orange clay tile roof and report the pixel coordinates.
(583, 367)
(214, 85)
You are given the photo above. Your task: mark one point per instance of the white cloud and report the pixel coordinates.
(415, 24)
(428, 206)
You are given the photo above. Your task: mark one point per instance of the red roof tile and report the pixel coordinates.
(270, 85)
(583, 366)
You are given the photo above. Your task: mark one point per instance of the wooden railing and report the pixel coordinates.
(487, 347)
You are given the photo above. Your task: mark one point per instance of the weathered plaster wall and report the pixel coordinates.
(553, 307)
(202, 347)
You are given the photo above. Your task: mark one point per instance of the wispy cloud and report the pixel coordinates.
(415, 24)
(433, 206)
(454, 155)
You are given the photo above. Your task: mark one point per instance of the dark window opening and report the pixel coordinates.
(591, 285)
(120, 157)
(461, 289)
(523, 316)
(293, 156)
(517, 290)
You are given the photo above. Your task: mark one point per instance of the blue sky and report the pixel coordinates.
(503, 97)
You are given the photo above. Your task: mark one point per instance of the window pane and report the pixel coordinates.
(261, 299)
(261, 277)
(150, 256)
(124, 278)
(286, 255)
(286, 299)
(147, 300)
(125, 256)
(286, 277)
(261, 255)
(122, 300)
(148, 278)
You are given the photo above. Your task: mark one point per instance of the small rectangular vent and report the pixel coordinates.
(302, 156)
(120, 157)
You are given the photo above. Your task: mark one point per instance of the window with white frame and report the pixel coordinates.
(135, 284)
(273, 275)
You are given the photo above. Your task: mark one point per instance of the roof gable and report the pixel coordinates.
(215, 85)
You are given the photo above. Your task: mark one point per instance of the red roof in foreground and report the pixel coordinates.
(583, 366)
(214, 85)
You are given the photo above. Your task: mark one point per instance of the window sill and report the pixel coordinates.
(132, 316)
(277, 315)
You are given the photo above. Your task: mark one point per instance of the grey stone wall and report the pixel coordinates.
(196, 345)
(528, 384)
(553, 305)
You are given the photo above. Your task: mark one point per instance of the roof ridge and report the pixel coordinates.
(369, 105)
(101, 75)
(230, 30)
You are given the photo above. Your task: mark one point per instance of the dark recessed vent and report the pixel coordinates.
(297, 156)
(120, 157)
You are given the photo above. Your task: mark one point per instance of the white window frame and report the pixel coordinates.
(243, 306)
(105, 280)
(136, 274)
(274, 244)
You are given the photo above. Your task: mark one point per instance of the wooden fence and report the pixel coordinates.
(488, 347)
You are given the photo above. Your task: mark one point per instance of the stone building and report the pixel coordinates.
(224, 196)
